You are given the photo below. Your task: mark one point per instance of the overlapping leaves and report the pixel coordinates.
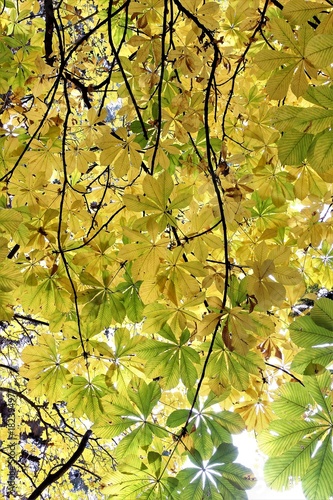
(315, 334)
(300, 443)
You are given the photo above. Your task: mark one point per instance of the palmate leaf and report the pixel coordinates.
(47, 295)
(217, 478)
(281, 435)
(136, 478)
(145, 396)
(130, 418)
(207, 426)
(301, 449)
(269, 60)
(44, 366)
(156, 195)
(10, 276)
(278, 84)
(84, 397)
(171, 361)
(139, 438)
(284, 117)
(126, 363)
(6, 311)
(320, 389)
(230, 368)
(132, 302)
(125, 222)
(315, 333)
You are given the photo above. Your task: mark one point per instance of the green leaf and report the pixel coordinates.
(144, 396)
(320, 154)
(321, 95)
(322, 313)
(231, 421)
(283, 118)
(228, 367)
(293, 147)
(219, 477)
(292, 402)
(320, 389)
(238, 476)
(282, 436)
(119, 406)
(313, 120)
(140, 437)
(317, 483)
(85, 398)
(134, 306)
(295, 446)
(177, 418)
(306, 333)
(318, 355)
(202, 441)
(315, 333)
(278, 84)
(286, 470)
(171, 362)
(10, 276)
(225, 453)
(134, 478)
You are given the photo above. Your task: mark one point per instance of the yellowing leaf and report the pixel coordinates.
(9, 220)
(208, 324)
(319, 50)
(299, 11)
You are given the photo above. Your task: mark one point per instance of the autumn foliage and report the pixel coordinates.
(166, 173)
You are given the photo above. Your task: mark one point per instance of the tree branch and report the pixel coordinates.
(49, 24)
(31, 320)
(54, 476)
(285, 371)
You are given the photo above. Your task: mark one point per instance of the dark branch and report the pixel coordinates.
(285, 371)
(15, 370)
(49, 25)
(31, 320)
(13, 251)
(54, 476)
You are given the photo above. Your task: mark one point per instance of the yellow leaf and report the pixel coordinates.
(208, 324)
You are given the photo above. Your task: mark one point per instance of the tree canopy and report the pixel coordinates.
(166, 173)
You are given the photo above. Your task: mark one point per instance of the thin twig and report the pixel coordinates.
(285, 371)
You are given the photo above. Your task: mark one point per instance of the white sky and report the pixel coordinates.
(250, 456)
